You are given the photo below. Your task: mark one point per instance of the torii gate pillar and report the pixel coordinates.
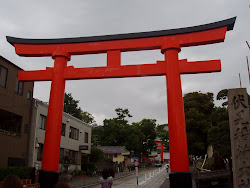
(176, 119)
(48, 174)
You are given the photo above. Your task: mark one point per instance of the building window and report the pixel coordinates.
(63, 129)
(86, 137)
(28, 95)
(15, 162)
(40, 152)
(19, 87)
(42, 122)
(3, 76)
(73, 155)
(115, 155)
(10, 123)
(61, 155)
(73, 133)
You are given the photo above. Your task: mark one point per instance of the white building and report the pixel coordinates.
(75, 137)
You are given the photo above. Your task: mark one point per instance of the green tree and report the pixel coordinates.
(198, 109)
(219, 133)
(148, 129)
(71, 107)
(162, 133)
(222, 95)
(134, 139)
(88, 118)
(138, 137)
(114, 130)
(96, 155)
(122, 114)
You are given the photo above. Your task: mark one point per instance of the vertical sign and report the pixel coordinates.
(239, 118)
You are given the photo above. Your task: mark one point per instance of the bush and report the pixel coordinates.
(21, 172)
(80, 172)
(91, 166)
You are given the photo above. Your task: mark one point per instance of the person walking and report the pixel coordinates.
(167, 166)
(106, 180)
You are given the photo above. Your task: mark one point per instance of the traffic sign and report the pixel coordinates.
(136, 163)
(136, 159)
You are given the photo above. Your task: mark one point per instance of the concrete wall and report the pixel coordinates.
(16, 105)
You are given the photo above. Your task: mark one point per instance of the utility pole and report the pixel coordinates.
(240, 80)
(248, 68)
(248, 45)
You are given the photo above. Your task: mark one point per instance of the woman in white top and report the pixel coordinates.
(106, 180)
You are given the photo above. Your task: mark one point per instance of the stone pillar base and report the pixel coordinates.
(48, 179)
(180, 180)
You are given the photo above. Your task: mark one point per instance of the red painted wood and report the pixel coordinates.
(160, 146)
(176, 118)
(51, 150)
(158, 69)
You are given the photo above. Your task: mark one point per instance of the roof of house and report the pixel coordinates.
(113, 149)
(10, 62)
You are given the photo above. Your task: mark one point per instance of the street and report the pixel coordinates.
(147, 179)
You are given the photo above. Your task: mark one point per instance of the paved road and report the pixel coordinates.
(146, 179)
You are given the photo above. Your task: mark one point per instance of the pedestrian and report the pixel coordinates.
(167, 166)
(62, 185)
(11, 181)
(106, 181)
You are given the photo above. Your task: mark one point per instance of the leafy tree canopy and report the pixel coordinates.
(71, 107)
(96, 155)
(162, 133)
(138, 137)
(198, 109)
(219, 133)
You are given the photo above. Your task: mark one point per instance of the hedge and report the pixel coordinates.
(21, 172)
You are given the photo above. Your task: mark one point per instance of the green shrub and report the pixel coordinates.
(209, 166)
(21, 172)
(91, 166)
(80, 172)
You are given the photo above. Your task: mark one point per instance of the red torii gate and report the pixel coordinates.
(170, 43)
(160, 146)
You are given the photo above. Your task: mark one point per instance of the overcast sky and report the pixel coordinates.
(144, 97)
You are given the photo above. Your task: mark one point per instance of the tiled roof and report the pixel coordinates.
(113, 149)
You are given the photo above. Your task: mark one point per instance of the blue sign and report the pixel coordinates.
(136, 159)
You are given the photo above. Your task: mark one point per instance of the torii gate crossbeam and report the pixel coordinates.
(169, 41)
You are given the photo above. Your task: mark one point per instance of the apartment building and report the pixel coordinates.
(15, 115)
(75, 137)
